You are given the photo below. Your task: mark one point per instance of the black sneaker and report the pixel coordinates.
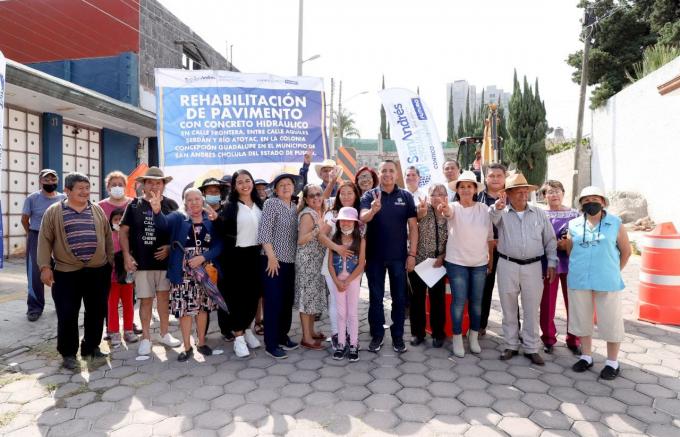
(204, 350)
(376, 344)
(437, 343)
(609, 373)
(398, 345)
(548, 348)
(228, 337)
(70, 363)
(581, 366)
(353, 354)
(334, 341)
(137, 330)
(32, 317)
(339, 353)
(185, 355)
(278, 353)
(415, 341)
(289, 345)
(576, 350)
(97, 354)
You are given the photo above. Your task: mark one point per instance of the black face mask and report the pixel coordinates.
(592, 208)
(49, 188)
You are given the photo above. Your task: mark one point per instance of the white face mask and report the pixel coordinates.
(117, 192)
(347, 231)
(116, 227)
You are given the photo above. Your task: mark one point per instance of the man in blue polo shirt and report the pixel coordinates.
(387, 209)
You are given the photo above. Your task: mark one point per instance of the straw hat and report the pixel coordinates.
(518, 180)
(324, 164)
(154, 173)
(593, 191)
(466, 176)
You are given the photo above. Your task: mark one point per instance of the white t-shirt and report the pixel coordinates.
(418, 195)
(469, 232)
(247, 222)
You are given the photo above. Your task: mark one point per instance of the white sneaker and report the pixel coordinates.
(170, 341)
(144, 347)
(240, 347)
(251, 340)
(475, 348)
(458, 347)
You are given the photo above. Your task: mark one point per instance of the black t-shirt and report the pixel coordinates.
(144, 238)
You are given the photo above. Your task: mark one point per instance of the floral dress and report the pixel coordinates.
(189, 297)
(311, 295)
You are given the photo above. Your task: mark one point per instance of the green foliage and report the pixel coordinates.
(625, 29)
(654, 57)
(461, 127)
(527, 127)
(344, 121)
(450, 133)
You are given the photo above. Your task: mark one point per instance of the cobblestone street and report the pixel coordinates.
(421, 392)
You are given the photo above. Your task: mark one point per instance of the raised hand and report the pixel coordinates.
(307, 157)
(500, 202)
(422, 207)
(155, 201)
(375, 204)
(444, 209)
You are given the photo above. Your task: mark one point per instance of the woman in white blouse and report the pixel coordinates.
(467, 257)
(241, 279)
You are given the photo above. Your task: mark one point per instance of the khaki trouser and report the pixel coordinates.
(526, 281)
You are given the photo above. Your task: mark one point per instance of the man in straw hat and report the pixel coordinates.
(328, 171)
(145, 251)
(524, 236)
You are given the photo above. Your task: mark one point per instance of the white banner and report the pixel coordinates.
(2, 136)
(212, 123)
(415, 134)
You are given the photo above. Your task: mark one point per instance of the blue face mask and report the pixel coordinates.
(212, 199)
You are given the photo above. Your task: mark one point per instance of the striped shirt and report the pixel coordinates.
(80, 232)
(279, 227)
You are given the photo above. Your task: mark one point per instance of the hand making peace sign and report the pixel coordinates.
(422, 207)
(500, 202)
(375, 204)
(155, 201)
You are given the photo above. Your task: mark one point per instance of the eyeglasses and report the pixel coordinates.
(553, 192)
(365, 176)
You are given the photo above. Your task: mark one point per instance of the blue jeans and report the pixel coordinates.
(467, 284)
(375, 273)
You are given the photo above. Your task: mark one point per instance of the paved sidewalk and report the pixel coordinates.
(421, 392)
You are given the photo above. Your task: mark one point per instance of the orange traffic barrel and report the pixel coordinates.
(659, 293)
(448, 323)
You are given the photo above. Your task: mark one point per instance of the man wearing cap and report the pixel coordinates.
(35, 206)
(145, 250)
(326, 171)
(213, 192)
(524, 236)
(261, 187)
(387, 210)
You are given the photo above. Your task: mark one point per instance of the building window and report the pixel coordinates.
(189, 61)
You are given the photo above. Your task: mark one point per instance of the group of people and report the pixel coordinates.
(253, 250)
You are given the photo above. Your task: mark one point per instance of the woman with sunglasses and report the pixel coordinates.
(598, 249)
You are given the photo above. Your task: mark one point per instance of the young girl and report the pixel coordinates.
(346, 275)
(121, 290)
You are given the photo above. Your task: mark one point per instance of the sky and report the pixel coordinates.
(426, 44)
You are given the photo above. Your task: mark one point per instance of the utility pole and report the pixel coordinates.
(299, 56)
(339, 116)
(331, 147)
(581, 153)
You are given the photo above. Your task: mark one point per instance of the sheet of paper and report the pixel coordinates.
(428, 273)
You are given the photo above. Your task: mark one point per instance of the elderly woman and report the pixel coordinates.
(310, 286)
(116, 181)
(598, 249)
(278, 235)
(193, 245)
(348, 196)
(467, 258)
(432, 238)
(366, 179)
(559, 216)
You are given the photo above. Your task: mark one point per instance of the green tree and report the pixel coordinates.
(527, 127)
(480, 116)
(450, 132)
(468, 120)
(624, 29)
(461, 127)
(346, 124)
(384, 132)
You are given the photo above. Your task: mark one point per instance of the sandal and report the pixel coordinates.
(259, 327)
(319, 336)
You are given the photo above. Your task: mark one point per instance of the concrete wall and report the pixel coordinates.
(561, 168)
(635, 140)
(159, 47)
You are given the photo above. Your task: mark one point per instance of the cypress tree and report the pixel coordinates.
(468, 121)
(383, 116)
(461, 127)
(449, 124)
